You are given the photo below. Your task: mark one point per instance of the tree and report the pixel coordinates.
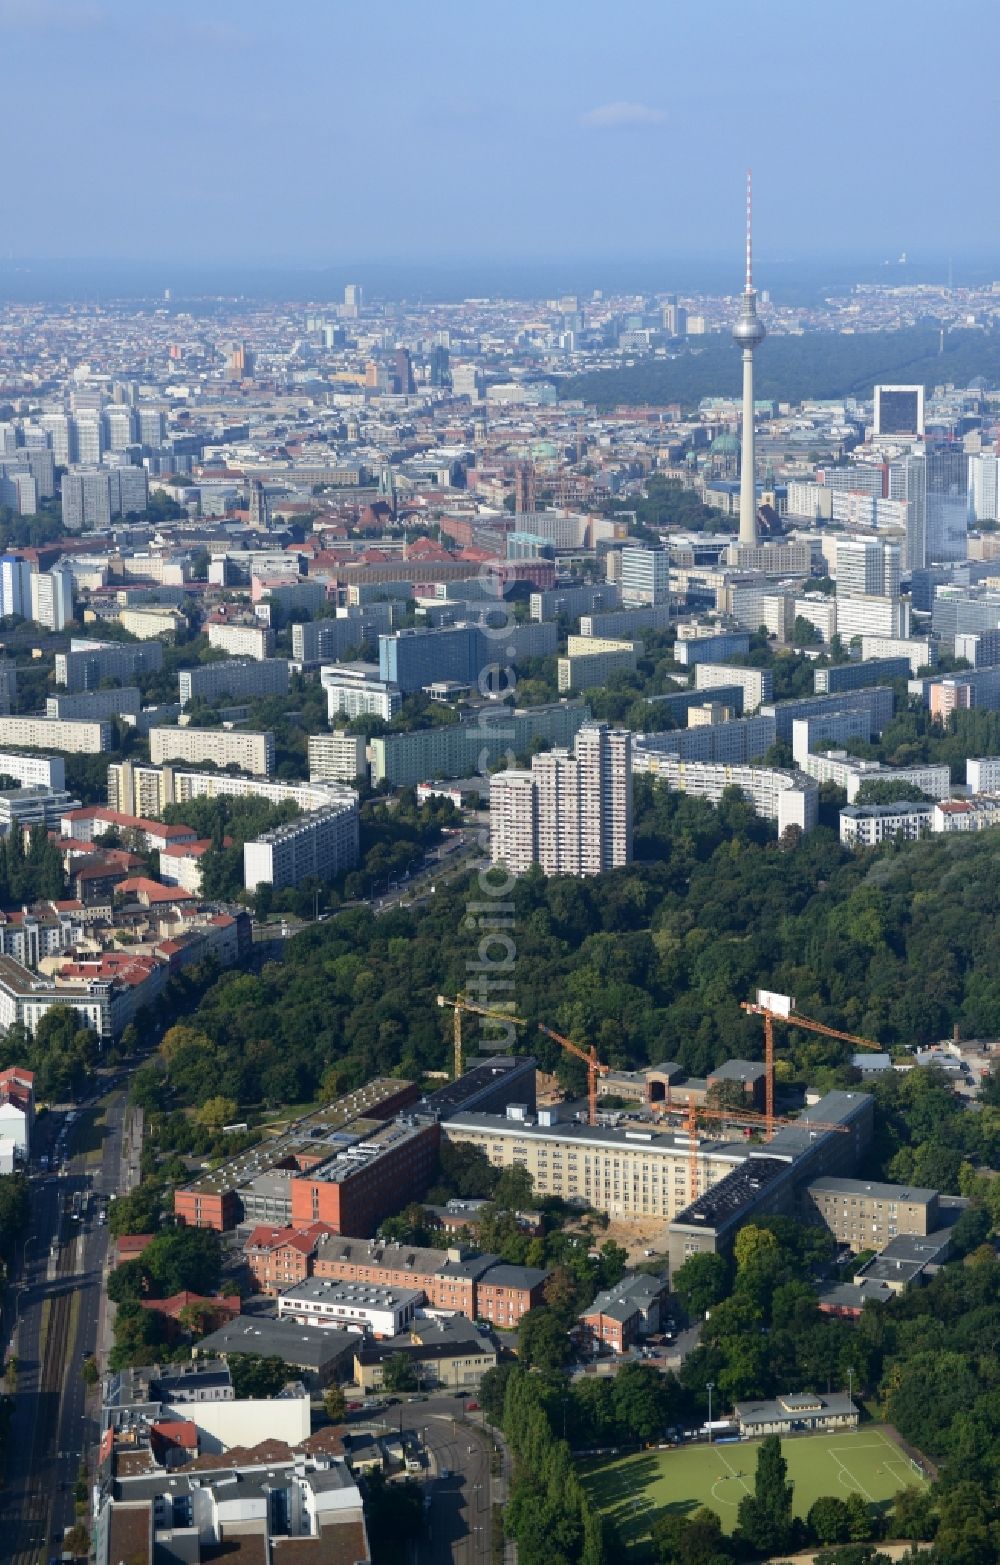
(703, 1280)
(804, 632)
(753, 1244)
(829, 1520)
(641, 1400)
(216, 1112)
(691, 1540)
(257, 1377)
(913, 1514)
(335, 1404)
(859, 1518)
(765, 1517)
(542, 1342)
(398, 1373)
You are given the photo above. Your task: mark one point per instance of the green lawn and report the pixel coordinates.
(636, 1490)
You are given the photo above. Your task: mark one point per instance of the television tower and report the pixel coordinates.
(748, 333)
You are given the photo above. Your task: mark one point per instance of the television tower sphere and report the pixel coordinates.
(749, 330)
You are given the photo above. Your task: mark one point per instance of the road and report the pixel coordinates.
(460, 1515)
(60, 1307)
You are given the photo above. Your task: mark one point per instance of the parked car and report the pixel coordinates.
(472, 1407)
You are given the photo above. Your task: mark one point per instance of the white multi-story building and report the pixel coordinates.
(356, 690)
(869, 825)
(148, 623)
(31, 771)
(872, 615)
(53, 733)
(754, 603)
(984, 494)
(921, 651)
(788, 797)
(52, 597)
(966, 814)
(807, 732)
(135, 789)
(119, 426)
(317, 846)
(571, 814)
(15, 586)
(867, 567)
(242, 641)
(820, 611)
(645, 578)
(591, 660)
(337, 757)
(251, 752)
(352, 1306)
(982, 774)
(848, 772)
(757, 684)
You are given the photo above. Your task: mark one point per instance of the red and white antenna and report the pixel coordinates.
(749, 282)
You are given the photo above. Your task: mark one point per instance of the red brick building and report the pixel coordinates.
(278, 1258)
(354, 1191)
(616, 1326)
(506, 1293)
(214, 1200)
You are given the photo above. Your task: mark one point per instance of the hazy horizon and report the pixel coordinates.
(200, 132)
(796, 282)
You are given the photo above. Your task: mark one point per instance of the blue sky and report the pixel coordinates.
(315, 131)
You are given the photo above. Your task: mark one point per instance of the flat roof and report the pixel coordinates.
(308, 1133)
(363, 1153)
(671, 1143)
(303, 1347)
(914, 1194)
(450, 1098)
(369, 1294)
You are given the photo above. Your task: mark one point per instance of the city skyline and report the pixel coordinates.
(462, 138)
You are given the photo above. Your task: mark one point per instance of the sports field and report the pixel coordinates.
(636, 1490)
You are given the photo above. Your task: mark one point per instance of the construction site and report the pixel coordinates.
(675, 1163)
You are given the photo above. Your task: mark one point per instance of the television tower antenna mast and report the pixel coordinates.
(748, 334)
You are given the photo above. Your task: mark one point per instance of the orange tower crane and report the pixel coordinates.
(461, 1005)
(692, 1112)
(593, 1064)
(781, 1008)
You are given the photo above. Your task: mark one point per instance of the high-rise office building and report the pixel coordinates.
(88, 438)
(866, 565)
(748, 334)
(899, 410)
(119, 427)
(403, 372)
(908, 482)
(52, 597)
(59, 431)
(86, 500)
(353, 300)
(983, 486)
(571, 813)
(947, 505)
(645, 576)
(152, 426)
(15, 586)
(129, 490)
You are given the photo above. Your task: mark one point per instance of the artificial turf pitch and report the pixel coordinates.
(636, 1490)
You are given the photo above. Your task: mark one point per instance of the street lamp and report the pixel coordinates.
(710, 1387)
